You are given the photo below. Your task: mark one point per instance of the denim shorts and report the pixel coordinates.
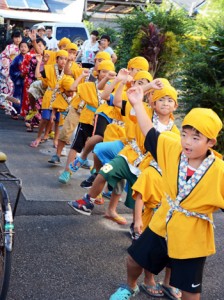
(46, 115)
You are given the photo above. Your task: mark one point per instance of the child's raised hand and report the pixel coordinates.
(32, 35)
(135, 95)
(156, 84)
(123, 75)
(111, 75)
(85, 73)
(39, 58)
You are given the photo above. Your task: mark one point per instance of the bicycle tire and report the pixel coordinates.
(5, 265)
(5, 253)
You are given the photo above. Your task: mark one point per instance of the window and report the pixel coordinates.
(75, 34)
(27, 4)
(37, 4)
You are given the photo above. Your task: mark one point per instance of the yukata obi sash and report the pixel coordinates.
(185, 187)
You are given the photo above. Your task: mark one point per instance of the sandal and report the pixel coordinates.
(152, 290)
(43, 141)
(171, 292)
(99, 200)
(124, 293)
(77, 163)
(29, 129)
(118, 219)
(14, 117)
(34, 144)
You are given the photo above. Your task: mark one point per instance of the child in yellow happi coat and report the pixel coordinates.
(182, 229)
(52, 77)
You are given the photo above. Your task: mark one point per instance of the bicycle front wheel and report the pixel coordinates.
(5, 261)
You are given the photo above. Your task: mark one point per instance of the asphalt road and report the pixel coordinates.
(60, 254)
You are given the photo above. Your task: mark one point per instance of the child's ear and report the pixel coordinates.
(212, 142)
(175, 107)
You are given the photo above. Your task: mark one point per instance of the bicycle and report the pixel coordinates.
(7, 215)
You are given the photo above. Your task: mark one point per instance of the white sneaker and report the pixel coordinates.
(64, 152)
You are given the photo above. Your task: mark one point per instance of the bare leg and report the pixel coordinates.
(32, 101)
(90, 144)
(149, 278)
(60, 146)
(97, 186)
(190, 296)
(47, 130)
(42, 126)
(56, 135)
(71, 156)
(167, 275)
(133, 272)
(112, 207)
(97, 163)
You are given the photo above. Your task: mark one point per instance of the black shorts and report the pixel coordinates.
(150, 252)
(186, 274)
(100, 124)
(83, 132)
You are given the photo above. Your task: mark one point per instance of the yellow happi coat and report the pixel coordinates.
(53, 85)
(150, 185)
(94, 104)
(134, 134)
(187, 236)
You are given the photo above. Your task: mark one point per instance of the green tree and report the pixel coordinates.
(201, 79)
(136, 33)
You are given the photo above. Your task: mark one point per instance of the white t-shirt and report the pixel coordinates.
(109, 50)
(89, 51)
(52, 43)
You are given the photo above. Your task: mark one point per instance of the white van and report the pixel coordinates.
(76, 32)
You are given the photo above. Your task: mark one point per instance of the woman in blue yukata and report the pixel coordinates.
(17, 77)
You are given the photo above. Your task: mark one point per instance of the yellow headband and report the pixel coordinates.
(138, 62)
(72, 46)
(143, 75)
(205, 120)
(66, 83)
(106, 65)
(164, 81)
(103, 55)
(62, 53)
(64, 41)
(167, 90)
